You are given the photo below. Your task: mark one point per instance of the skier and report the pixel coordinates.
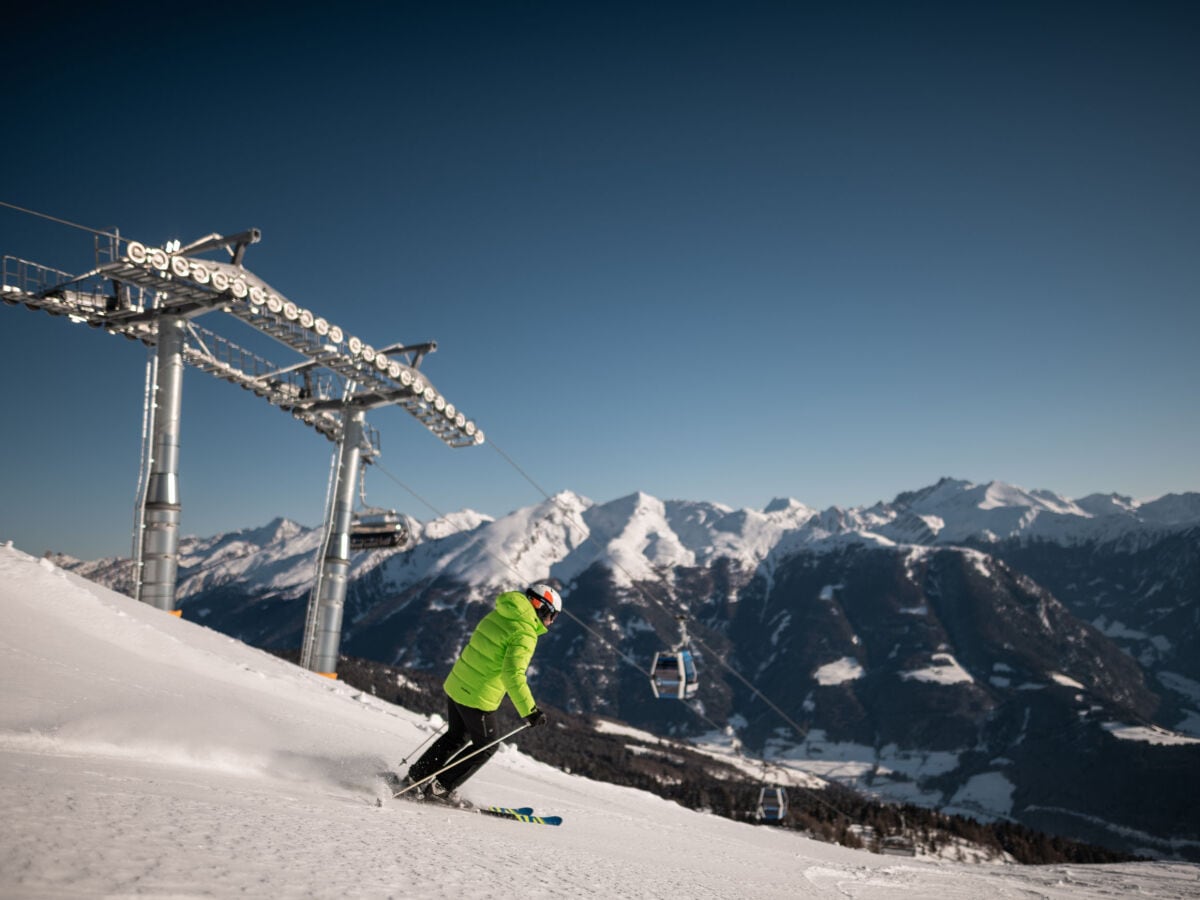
(492, 664)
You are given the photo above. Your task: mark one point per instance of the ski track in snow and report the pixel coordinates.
(145, 756)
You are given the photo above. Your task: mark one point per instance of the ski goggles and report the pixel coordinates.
(546, 610)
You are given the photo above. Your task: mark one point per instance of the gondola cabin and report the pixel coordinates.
(772, 804)
(377, 529)
(673, 675)
(898, 845)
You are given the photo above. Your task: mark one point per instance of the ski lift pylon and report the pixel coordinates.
(673, 673)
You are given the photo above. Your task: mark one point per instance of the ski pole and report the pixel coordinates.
(453, 756)
(413, 752)
(429, 778)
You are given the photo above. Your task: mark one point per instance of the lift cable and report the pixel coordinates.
(50, 218)
(783, 715)
(571, 516)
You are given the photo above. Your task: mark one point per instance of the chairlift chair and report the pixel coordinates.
(375, 528)
(372, 528)
(673, 673)
(772, 803)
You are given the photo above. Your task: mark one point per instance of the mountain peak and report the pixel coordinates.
(997, 494)
(1107, 504)
(946, 487)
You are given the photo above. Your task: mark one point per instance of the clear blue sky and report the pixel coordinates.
(712, 251)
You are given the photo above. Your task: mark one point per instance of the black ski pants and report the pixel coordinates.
(466, 726)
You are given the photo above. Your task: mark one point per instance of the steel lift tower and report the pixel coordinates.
(155, 295)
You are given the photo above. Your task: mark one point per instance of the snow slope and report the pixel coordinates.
(144, 755)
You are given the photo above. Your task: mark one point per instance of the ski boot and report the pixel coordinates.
(435, 790)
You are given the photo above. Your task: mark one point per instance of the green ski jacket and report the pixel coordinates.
(495, 659)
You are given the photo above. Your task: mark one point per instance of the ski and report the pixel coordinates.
(519, 815)
(509, 810)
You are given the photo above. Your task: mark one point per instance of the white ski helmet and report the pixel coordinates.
(545, 600)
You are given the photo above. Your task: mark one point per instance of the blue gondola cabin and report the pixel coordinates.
(772, 804)
(673, 675)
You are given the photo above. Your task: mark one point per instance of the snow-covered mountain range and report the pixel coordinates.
(639, 534)
(959, 646)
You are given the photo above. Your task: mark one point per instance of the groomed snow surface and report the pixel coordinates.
(141, 755)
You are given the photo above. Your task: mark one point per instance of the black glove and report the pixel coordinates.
(537, 718)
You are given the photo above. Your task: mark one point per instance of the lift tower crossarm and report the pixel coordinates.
(238, 292)
(236, 244)
(417, 351)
